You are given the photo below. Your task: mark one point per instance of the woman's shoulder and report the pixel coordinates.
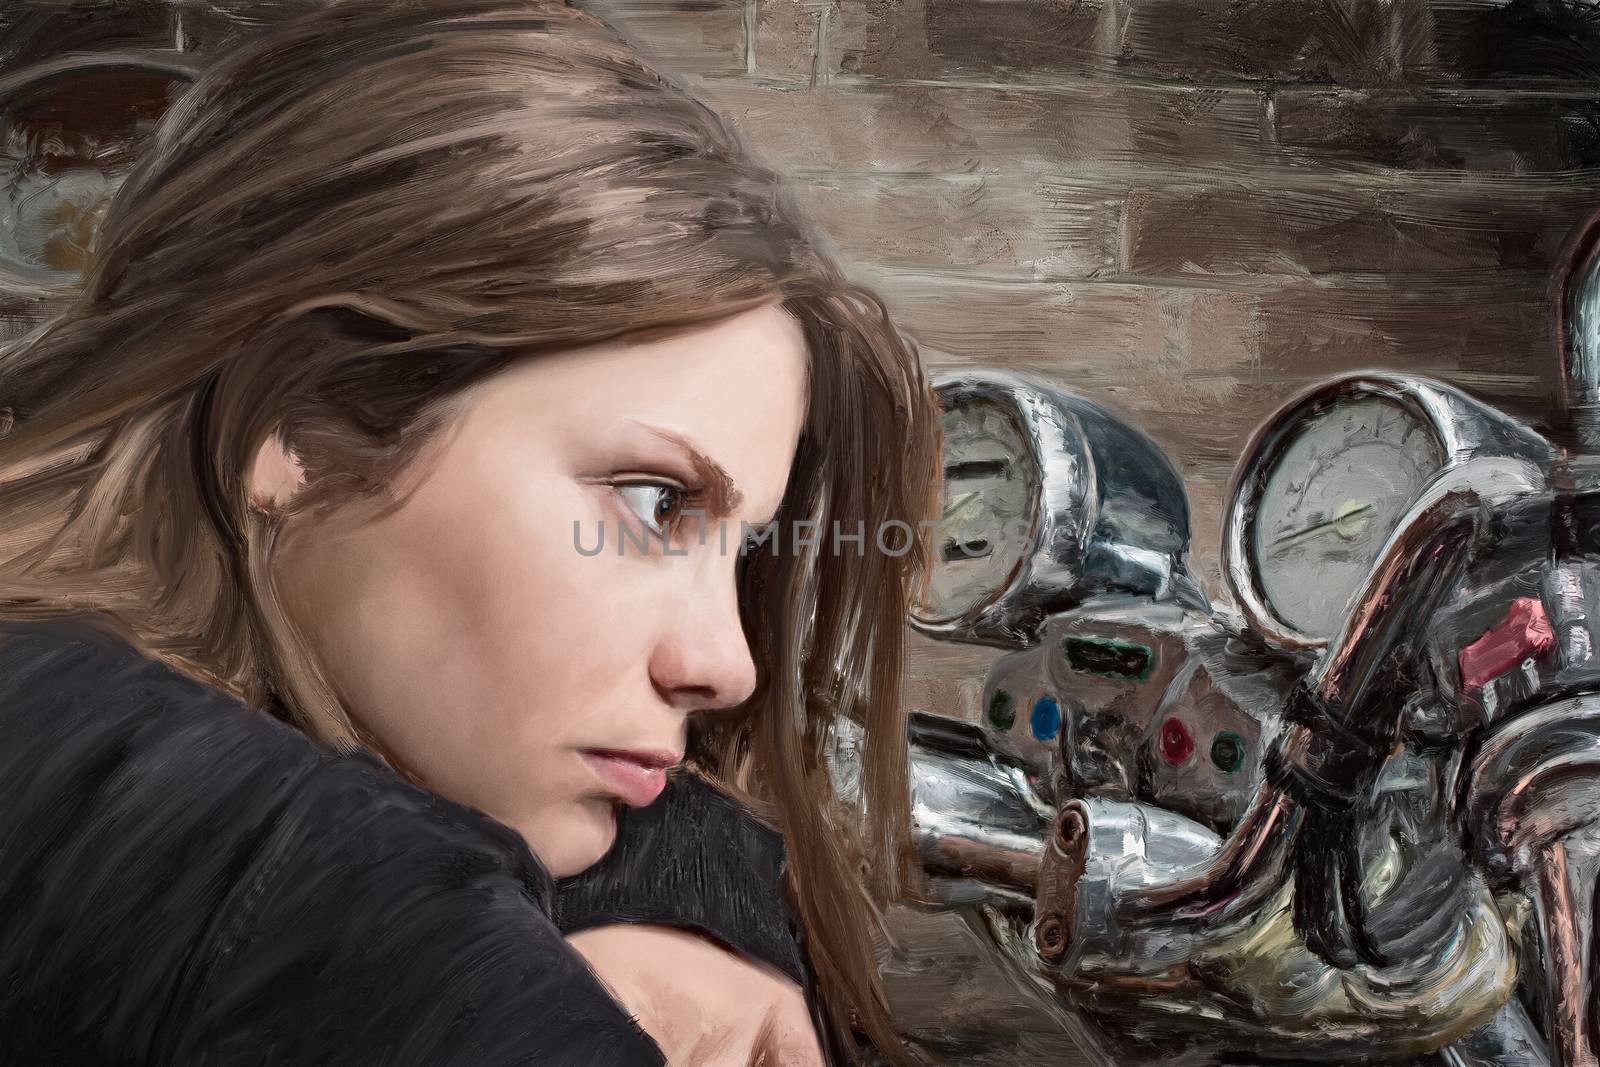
(87, 718)
(183, 879)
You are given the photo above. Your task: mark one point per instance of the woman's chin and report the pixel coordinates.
(585, 833)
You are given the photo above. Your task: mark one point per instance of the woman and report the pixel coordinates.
(408, 305)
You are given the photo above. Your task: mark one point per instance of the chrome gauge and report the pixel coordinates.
(1335, 495)
(1048, 498)
(70, 131)
(1329, 478)
(990, 503)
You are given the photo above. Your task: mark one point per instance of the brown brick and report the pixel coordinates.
(683, 36)
(819, 40)
(1494, 44)
(1494, 337)
(988, 39)
(32, 31)
(1477, 131)
(895, 127)
(1334, 224)
(788, 33)
(813, 42)
(1342, 42)
(995, 222)
(886, 38)
(1207, 484)
(1147, 350)
(1347, 42)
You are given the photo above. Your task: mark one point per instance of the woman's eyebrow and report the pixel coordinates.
(725, 496)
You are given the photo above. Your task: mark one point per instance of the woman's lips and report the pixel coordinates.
(636, 777)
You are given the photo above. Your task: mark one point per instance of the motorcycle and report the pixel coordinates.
(1355, 818)
(1350, 818)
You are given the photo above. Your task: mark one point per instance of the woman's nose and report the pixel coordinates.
(702, 661)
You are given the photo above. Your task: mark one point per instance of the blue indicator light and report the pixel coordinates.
(1046, 718)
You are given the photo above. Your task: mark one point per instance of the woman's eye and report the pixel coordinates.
(658, 506)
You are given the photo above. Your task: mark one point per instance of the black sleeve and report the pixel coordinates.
(185, 881)
(693, 859)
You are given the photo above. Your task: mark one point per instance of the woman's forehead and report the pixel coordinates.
(725, 402)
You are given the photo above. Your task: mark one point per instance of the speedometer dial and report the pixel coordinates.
(1327, 480)
(1330, 501)
(990, 492)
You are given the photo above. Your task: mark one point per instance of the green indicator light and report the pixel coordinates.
(1111, 659)
(1227, 751)
(1002, 710)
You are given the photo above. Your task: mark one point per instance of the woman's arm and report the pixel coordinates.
(694, 860)
(704, 1005)
(185, 881)
(686, 922)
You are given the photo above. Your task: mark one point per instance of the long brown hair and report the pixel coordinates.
(369, 209)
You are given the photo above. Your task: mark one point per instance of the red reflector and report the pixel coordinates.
(1524, 632)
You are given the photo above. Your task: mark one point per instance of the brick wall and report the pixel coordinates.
(1186, 209)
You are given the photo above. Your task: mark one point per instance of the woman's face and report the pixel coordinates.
(476, 633)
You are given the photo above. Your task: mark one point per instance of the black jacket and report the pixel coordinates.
(187, 881)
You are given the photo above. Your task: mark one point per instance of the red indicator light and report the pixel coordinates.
(1525, 632)
(1177, 743)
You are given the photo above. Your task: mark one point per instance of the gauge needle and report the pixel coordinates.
(960, 504)
(1340, 523)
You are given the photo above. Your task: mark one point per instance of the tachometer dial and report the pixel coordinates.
(1330, 502)
(1047, 498)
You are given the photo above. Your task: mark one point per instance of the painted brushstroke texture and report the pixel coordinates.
(1187, 209)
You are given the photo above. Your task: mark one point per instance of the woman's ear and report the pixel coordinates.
(276, 475)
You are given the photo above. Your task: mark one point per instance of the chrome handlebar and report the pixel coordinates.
(1133, 900)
